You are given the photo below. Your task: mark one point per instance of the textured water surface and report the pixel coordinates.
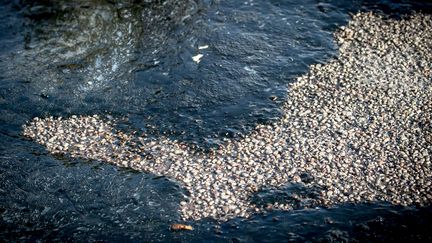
(135, 60)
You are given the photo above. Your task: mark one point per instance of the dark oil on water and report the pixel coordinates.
(133, 59)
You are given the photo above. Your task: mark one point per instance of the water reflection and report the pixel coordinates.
(136, 58)
(80, 46)
(33, 182)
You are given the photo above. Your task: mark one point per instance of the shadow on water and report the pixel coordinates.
(134, 59)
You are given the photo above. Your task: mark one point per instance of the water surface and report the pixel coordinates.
(134, 60)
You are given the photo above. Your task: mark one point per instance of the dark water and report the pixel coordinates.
(134, 59)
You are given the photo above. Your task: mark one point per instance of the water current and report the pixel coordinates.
(198, 71)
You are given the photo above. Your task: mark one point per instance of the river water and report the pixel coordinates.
(135, 59)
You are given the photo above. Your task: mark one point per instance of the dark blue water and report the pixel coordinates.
(133, 59)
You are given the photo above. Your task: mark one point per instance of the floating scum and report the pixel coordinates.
(359, 127)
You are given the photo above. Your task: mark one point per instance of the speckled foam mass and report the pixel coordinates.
(359, 127)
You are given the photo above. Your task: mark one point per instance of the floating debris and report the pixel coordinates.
(197, 58)
(356, 129)
(177, 227)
